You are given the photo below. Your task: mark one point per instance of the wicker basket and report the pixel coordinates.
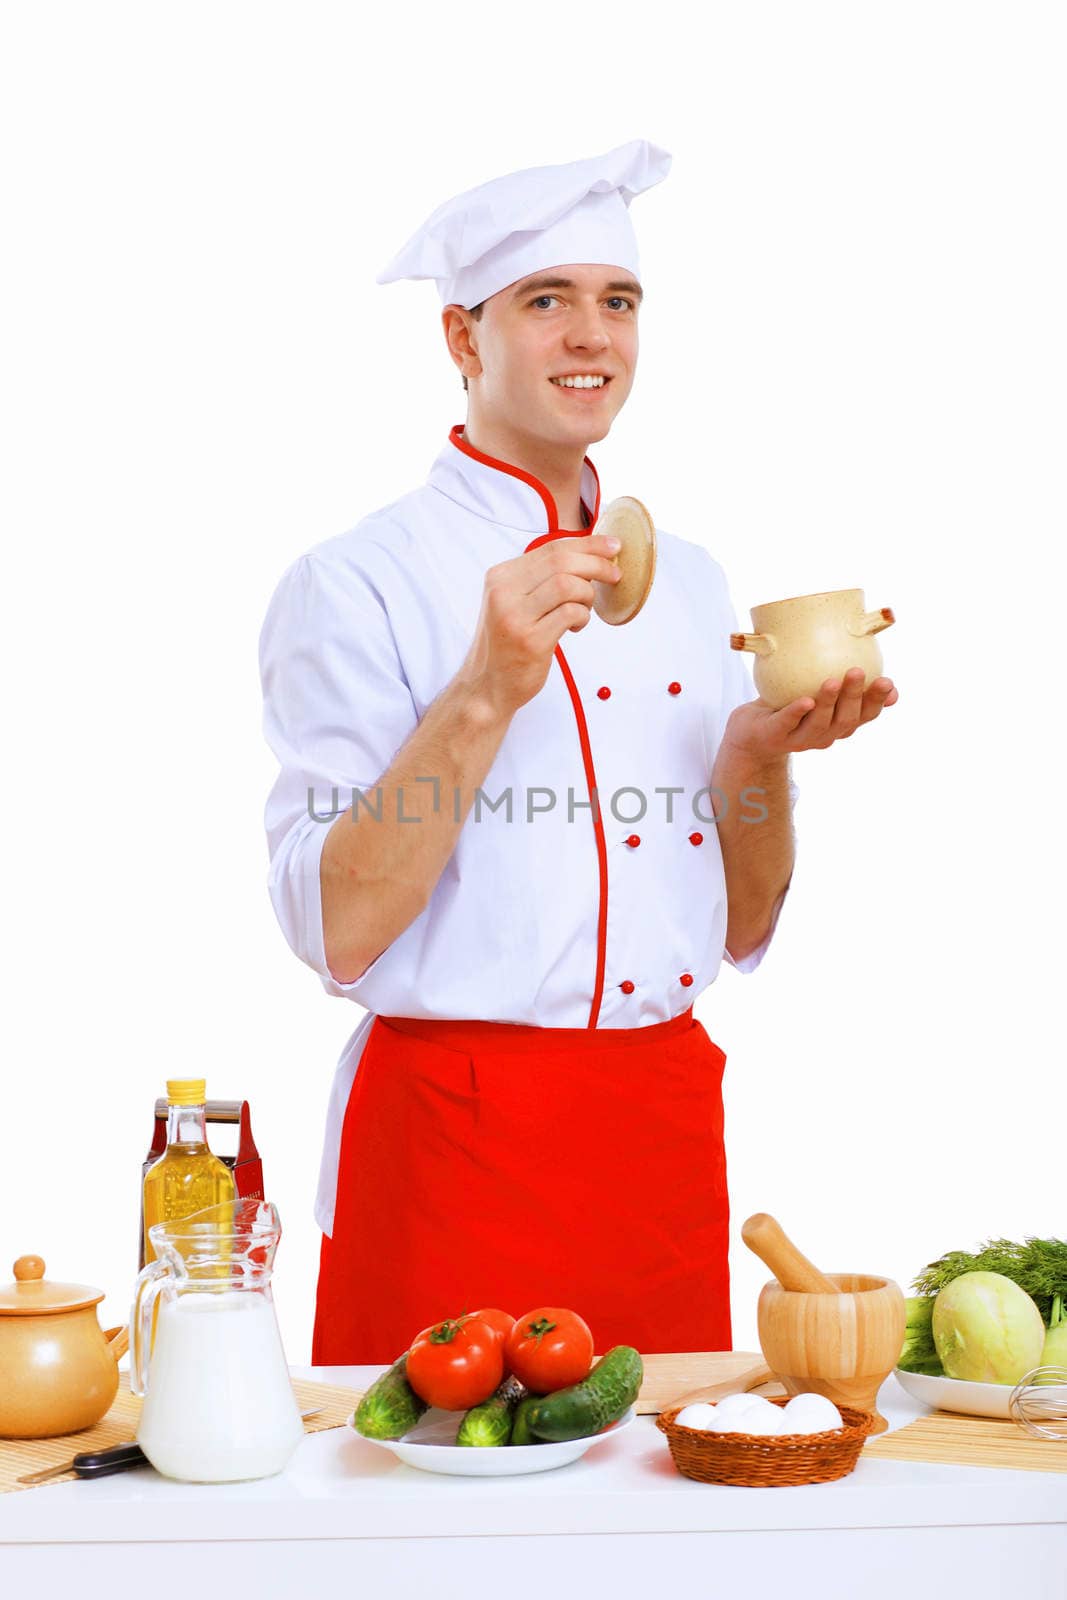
(767, 1460)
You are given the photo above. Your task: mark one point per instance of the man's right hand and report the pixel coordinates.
(376, 878)
(528, 603)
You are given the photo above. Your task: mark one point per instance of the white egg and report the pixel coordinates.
(758, 1402)
(811, 1413)
(758, 1416)
(699, 1415)
(732, 1405)
(757, 1419)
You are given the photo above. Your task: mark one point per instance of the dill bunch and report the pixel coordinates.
(1037, 1265)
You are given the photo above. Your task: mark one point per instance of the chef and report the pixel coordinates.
(522, 839)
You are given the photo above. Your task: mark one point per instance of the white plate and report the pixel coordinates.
(956, 1394)
(431, 1446)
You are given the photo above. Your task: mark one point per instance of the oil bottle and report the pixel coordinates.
(187, 1177)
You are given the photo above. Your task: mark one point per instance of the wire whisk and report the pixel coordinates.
(1038, 1402)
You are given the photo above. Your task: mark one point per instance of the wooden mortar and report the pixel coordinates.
(839, 1334)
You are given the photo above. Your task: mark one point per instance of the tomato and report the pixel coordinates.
(500, 1320)
(456, 1364)
(549, 1348)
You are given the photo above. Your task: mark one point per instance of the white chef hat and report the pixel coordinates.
(480, 241)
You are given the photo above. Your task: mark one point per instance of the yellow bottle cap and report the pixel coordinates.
(186, 1091)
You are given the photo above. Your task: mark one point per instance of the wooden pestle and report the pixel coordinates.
(764, 1236)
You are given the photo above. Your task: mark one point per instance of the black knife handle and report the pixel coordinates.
(98, 1463)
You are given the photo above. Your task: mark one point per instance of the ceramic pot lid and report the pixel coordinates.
(631, 524)
(31, 1296)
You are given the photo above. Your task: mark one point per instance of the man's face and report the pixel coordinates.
(568, 321)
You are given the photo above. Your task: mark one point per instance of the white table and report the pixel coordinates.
(620, 1522)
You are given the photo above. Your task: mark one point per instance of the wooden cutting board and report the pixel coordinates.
(970, 1442)
(670, 1378)
(119, 1426)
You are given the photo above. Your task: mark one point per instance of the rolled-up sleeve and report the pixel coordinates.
(336, 709)
(738, 690)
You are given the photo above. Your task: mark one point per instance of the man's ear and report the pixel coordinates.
(460, 336)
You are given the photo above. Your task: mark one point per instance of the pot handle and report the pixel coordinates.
(118, 1340)
(143, 1324)
(761, 644)
(871, 622)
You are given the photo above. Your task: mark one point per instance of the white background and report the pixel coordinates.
(852, 373)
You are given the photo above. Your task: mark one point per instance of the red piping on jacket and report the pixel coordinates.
(556, 532)
(554, 529)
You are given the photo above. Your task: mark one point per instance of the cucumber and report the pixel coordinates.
(520, 1427)
(390, 1406)
(490, 1423)
(587, 1407)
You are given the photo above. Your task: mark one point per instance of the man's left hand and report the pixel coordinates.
(839, 708)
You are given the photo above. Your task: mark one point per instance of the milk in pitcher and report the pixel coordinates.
(219, 1405)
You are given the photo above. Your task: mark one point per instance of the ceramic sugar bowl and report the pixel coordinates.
(60, 1370)
(800, 642)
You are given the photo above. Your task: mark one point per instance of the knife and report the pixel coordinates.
(100, 1463)
(92, 1464)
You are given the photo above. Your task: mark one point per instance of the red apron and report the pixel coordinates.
(492, 1164)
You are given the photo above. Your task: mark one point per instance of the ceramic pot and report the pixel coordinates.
(60, 1369)
(800, 642)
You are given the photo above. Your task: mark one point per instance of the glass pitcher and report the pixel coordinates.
(205, 1350)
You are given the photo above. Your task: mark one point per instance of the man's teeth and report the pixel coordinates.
(581, 382)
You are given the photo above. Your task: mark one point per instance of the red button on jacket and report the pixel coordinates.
(696, 838)
(634, 840)
(604, 693)
(686, 979)
(626, 986)
(674, 688)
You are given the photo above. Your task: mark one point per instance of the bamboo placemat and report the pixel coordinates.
(119, 1426)
(970, 1442)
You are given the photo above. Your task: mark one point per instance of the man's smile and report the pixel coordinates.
(582, 383)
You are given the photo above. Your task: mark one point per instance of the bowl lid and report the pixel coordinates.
(633, 526)
(31, 1296)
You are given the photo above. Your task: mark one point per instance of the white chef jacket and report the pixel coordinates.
(525, 925)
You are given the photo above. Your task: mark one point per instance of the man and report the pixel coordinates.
(523, 839)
